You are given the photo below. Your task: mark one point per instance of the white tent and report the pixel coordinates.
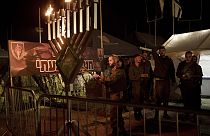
(199, 43)
(198, 40)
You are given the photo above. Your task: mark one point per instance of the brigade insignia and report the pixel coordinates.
(18, 50)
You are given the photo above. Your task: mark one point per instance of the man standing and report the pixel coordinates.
(135, 72)
(164, 72)
(190, 75)
(115, 82)
(146, 77)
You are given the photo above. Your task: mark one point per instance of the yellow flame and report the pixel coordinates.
(67, 0)
(49, 11)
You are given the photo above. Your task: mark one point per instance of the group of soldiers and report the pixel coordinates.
(145, 84)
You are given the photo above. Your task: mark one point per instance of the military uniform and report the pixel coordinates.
(164, 71)
(137, 94)
(146, 79)
(115, 82)
(190, 75)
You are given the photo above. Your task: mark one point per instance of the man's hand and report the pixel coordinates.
(96, 75)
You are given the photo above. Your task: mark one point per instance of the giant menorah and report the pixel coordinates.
(69, 31)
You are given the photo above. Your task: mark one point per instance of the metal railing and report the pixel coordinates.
(20, 105)
(48, 116)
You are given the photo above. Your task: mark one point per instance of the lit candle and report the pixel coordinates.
(53, 25)
(87, 16)
(49, 28)
(95, 14)
(75, 17)
(80, 16)
(48, 13)
(58, 24)
(63, 27)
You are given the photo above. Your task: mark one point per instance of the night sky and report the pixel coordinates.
(121, 18)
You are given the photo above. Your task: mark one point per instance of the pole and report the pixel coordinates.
(155, 32)
(40, 33)
(101, 25)
(173, 13)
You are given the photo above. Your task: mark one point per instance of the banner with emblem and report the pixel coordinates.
(31, 58)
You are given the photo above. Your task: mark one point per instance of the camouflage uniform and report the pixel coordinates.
(115, 81)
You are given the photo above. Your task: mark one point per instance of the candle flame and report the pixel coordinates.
(49, 11)
(67, 0)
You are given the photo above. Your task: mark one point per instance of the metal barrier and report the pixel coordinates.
(82, 119)
(91, 117)
(21, 112)
(57, 115)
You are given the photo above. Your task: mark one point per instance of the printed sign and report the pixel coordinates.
(30, 58)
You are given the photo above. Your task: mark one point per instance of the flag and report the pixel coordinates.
(161, 5)
(154, 9)
(176, 9)
(187, 10)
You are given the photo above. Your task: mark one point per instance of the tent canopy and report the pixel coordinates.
(197, 41)
(113, 45)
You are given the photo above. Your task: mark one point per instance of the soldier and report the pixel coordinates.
(115, 82)
(164, 72)
(135, 72)
(190, 75)
(146, 77)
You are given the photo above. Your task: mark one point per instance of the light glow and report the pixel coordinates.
(49, 11)
(67, 0)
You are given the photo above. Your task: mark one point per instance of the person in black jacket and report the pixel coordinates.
(146, 77)
(135, 71)
(190, 75)
(164, 73)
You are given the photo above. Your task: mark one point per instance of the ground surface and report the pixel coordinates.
(98, 123)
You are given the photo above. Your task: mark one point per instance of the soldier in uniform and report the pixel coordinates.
(190, 75)
(164, 73)
(146, 77)
(115, 82)
(135, 71)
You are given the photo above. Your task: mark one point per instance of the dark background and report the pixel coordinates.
(121, 18)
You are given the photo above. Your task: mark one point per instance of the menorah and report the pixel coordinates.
(69, 31)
